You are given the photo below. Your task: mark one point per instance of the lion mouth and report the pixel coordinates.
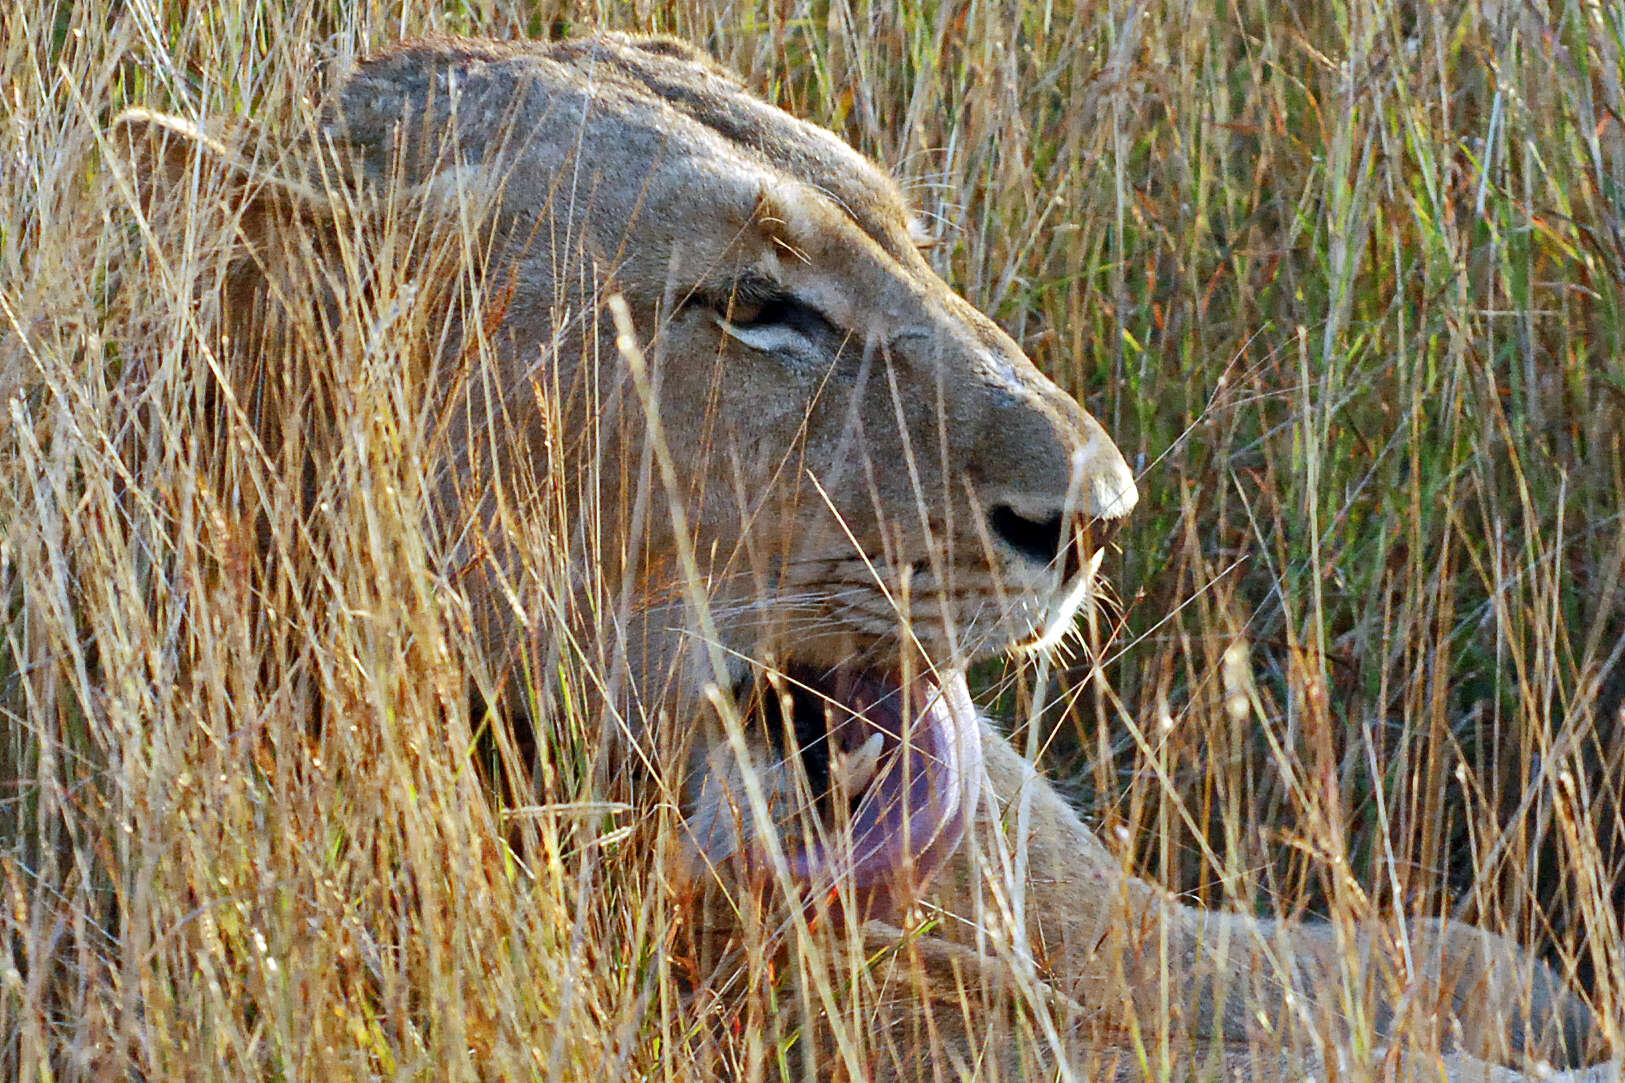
(892, 765)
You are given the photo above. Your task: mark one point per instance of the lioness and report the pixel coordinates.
(803, 484)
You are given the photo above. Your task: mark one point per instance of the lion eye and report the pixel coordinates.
(772, 323)
(744, 313)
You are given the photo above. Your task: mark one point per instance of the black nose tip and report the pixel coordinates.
(1044, 541)
(1102, 531)
(1039, 540)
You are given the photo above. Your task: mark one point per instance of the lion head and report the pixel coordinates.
(693, 342)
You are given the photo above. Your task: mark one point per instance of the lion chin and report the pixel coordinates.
(686, 347)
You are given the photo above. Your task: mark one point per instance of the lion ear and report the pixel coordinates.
(174, 161)
(161, 151)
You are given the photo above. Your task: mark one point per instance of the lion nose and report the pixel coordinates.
(1039, 540)
(1054, 539)
(1075, 517)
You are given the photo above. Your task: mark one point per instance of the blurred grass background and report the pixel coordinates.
(1345, 281)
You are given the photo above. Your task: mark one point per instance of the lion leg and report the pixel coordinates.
(966, 1016)
(1053, 896)
(1503, 1004)
(1140, 962)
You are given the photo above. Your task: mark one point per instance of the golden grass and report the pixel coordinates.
(1346, 282)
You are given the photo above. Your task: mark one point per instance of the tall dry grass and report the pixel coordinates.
(1345, 282)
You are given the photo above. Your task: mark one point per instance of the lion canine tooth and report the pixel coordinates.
(854, 770)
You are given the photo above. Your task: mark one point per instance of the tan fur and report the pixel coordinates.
(808, 491)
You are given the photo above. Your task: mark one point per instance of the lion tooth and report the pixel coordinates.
(854, 770)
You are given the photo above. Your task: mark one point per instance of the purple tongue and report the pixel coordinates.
(914, 812)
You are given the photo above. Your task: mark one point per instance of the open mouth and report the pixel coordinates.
(892, 767)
